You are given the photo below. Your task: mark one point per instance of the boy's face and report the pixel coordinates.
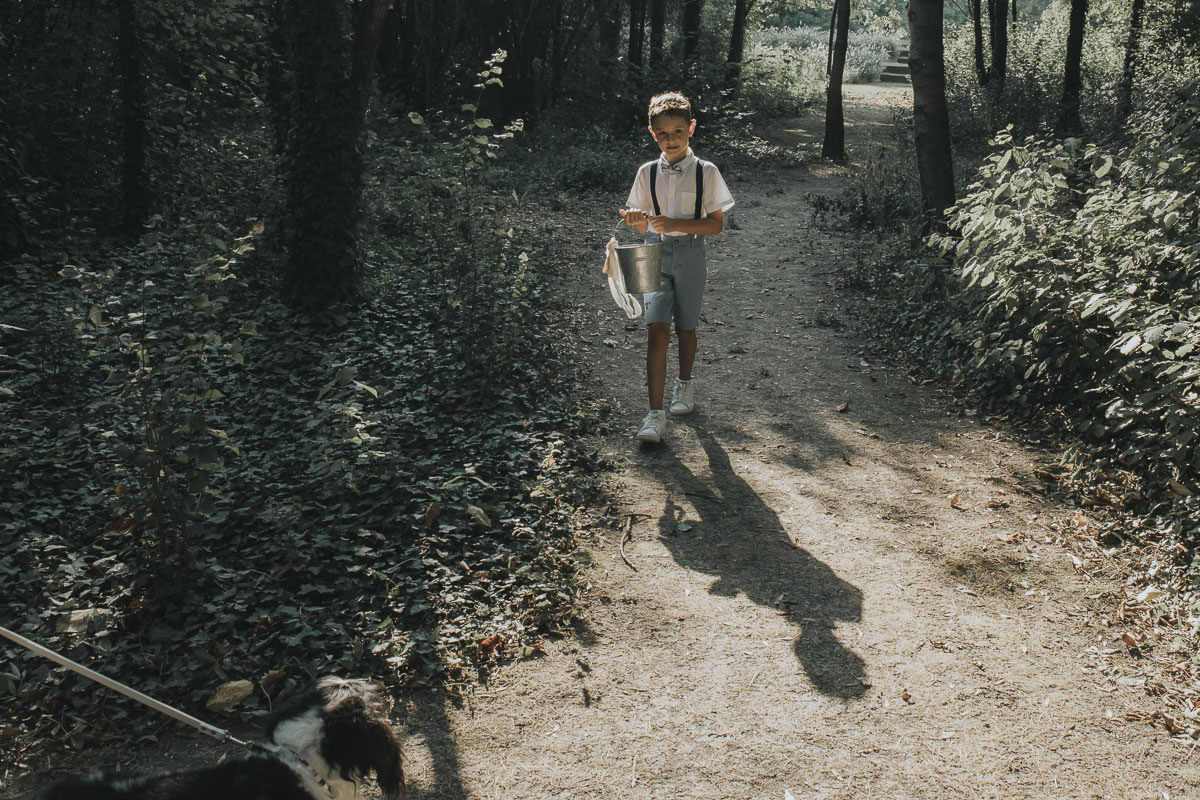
(672, 132)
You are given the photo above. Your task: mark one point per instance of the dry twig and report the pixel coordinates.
(628, 534)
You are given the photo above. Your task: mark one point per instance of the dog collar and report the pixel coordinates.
(308, 775)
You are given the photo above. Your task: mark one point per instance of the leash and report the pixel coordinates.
(116, 686)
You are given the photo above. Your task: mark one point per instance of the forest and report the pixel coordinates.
(284, 386)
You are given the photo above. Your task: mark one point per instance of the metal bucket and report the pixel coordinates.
(641, 266)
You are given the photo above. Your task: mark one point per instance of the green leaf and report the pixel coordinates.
(1131, 344)
(368, 389)
(1092, 305)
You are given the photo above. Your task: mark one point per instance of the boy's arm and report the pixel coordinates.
(711, 225)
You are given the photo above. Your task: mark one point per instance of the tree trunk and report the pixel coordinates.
(832, 37)
(12, 229)
(322, 162)
(1132, 45)
(658, 19)
(981, 72)
(1069, 121)
(637, 33)
(998, 30)
(135, 192)
(834, 146)
(737, 44)
(609, 25)
(931, 119)
(369, 31)
(693, 11)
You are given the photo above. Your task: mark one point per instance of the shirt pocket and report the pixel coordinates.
(687, 205)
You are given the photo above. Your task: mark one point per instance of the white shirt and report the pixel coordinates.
(676, 189)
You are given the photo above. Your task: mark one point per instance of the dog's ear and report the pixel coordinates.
(359, 741)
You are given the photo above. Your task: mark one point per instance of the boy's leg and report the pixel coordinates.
(687, 352)
(658, 339)
(682, 396)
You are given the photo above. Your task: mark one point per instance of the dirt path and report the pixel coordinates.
(838, 586)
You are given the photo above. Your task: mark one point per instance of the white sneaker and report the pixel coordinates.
(654, 427)
(681, 399)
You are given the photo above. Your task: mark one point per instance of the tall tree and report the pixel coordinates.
(1133, 44)
(693, 13)
(998, 36)
(1068, 120)
(834, 145)
(931, 118)
(637, 33)
(420, 44)
(781, 8)
(976, 12)
(658, 21)
(135, 191)
(737, 43)
(609, 28)
(330, 55)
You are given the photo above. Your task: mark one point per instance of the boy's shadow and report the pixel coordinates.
(741, 541)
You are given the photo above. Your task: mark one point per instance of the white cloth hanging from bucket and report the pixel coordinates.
(616, 283)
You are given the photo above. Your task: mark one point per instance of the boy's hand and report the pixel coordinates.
(663, 224)
(635, 219)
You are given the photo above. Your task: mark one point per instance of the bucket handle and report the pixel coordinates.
(621, 223)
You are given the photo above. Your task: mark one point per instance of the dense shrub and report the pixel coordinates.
(1075, 279)
(196, 471)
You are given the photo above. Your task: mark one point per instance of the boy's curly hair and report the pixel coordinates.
(670, 103)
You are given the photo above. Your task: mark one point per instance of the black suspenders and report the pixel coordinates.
(699, 187)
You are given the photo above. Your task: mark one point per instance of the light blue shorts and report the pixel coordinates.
(681, 288)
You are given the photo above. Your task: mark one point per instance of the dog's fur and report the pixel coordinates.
(321, 743)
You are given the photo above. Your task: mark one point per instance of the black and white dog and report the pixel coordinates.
(320, 745)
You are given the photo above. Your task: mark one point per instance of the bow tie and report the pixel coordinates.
(672, 169)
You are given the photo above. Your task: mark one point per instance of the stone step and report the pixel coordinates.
(895, 69)
(893, 77)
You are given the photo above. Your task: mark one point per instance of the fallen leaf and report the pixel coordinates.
(431, 515)
(1178, 488)
(954, 503)
(229, 693)
(1151, 594)
(479, 515)
(843, 408)
(272, 677)
(684, 527)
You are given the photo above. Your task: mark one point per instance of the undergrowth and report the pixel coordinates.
(203, 487)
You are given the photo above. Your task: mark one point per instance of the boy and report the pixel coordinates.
(678, 200)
